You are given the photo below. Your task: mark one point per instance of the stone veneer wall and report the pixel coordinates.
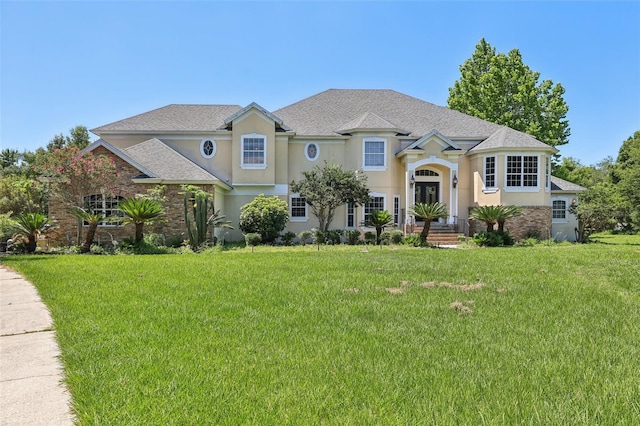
(535, 219)
(65, 225)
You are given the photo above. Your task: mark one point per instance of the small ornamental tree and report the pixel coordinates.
(428, 212)
(267, 216)
(330, 187)
(73, 175)
(379, 220)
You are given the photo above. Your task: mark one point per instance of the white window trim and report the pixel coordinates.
(495, 173)
(103, 210)
(566, 210)
(374, 168)
(521, 188)
(346, 216)
(372, 195)
(253, 166)
(396, 198)
(306, 210)
(306, 147)
(547, 173)
(215, 148)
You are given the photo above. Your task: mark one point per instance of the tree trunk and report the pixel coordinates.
(88, 240)
(490, 226)
(139, 234)
(425, 231)
(32, 242)
(500, 226)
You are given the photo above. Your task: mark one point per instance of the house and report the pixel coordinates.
(411, 151)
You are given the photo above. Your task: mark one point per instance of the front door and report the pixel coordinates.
(427, 192)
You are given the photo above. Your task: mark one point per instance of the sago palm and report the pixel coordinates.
(429, 212)
(508, 212)
(379, 220)
(93, 220)
(487, 214)
(141, 211)
(29, 226)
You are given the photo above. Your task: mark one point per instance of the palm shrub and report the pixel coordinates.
(429, 212)
(93, 219)
(28, 227)
(353, 236)
(379, 220)
(140, 212)
(507, 212)
(487, 214)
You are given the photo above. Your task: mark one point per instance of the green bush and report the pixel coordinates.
(412, 240)
(267, 216)
(493, 239)
(370, 237)
(287, 238)
(353, 236)
(318, 236)
(304, 237)
(333, 236)
(396, 236)
(385, 237)
(154, 239)
(253, 239)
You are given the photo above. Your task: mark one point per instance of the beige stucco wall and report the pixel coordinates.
(251, 122)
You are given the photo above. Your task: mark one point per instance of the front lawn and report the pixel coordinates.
(541, 335)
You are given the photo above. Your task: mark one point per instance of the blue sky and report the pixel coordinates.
(90, 63)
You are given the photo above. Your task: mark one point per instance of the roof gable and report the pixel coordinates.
(167, 164)
(254, 106)
(561, 185)
(115, 151)
(434, 136)
(508, 138)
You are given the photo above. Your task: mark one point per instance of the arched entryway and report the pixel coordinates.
(430, 180)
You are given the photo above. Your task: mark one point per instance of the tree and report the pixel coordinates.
(140, 212)
(626, 177)
(266, 216)
(487, 214)
(72, 175)
(505, 213)
(502, 89)
(429, 212)
(600, 208)
(29, 226)
(78, 138)
(329, 187)
(93, 220)
(379, 220)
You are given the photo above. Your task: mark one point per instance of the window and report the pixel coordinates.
(396, 209)
(376, 203)
(208, 147)
(490, 172)
(311, 151)
(351, 215)
(107, 205)
(298, 206)
(374, 152)
(522, 171)
(559, 210)
(547, 181)
(254, 151)
(425, 172)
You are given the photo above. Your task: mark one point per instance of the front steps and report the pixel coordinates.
(439, 234)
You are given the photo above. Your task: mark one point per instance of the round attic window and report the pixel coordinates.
(208, 147)
(311, 151)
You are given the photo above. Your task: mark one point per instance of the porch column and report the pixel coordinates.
(409, 194)
(453, 198)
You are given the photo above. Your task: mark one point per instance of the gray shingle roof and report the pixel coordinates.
(174, 118)
(327, 112)
(558, 184)
(166, 163)
(506, 137)
(369, 120)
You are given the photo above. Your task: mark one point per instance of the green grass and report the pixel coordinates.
(297, 336)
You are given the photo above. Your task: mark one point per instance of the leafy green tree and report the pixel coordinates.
(379, 220)
(140, 212)
(266, 216)
(502, 89)
(600, 208)
(78, 138)
(93, 220)
(626, 176)
(21, 194)
(29, 226)
(429, 212)
(572, 170)
(330, 187)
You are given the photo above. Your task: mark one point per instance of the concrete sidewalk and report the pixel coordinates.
(31, 388)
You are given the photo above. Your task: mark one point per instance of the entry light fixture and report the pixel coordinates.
(412, 180)
(454, 181)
